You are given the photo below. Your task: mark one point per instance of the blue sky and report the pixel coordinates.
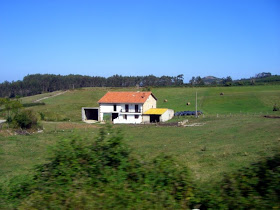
(237, 38)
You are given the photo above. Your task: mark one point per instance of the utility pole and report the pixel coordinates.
(196, 104)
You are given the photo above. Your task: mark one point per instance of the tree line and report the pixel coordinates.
(40, 83)
(259, 79)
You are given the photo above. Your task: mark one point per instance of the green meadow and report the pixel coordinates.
(232, 134)
(236, 100)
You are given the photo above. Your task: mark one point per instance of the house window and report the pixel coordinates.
(136, 108)
(126, 108)
(115, 107)
(136, 116)
(125, 117)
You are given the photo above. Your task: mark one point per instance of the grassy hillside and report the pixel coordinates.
(68, 106)
(235, 99)
(250, 99)
(221, 145)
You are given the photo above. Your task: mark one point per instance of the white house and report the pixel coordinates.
(126, 107)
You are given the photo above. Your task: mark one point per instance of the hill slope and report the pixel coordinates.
(220, 145)
(249, 99)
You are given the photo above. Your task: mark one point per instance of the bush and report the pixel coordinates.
(15, 190)
(25, 119)
(9, 119)
(255, 187)
(103, 174)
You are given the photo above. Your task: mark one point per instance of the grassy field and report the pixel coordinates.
(221, 145)
(236, 100)
(239, 135)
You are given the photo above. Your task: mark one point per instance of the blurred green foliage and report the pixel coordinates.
(103, 174)
(254, 187)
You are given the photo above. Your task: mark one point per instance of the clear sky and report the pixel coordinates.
(237, 38)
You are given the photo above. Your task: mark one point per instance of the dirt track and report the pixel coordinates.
(51, 96)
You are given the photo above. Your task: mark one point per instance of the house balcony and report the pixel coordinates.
(123, 111)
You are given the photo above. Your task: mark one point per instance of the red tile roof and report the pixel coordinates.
(125, 97)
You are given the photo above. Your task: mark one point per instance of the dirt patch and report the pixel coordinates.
(173, 124)
(180, 124)
(271, 116)
(21, 132)
(6, 133)
(194, 124)
(69, 125)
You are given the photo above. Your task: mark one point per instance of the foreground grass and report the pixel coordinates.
(221, 145)
(20, 153)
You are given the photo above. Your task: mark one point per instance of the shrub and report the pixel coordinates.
(103, 174)
(25, 119)
(13, 191)
(255, 187)
(86, 174)
(9, 119)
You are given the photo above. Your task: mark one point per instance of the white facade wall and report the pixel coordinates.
(130, 119)
(109, 108)
(120, 109)
(169, 114)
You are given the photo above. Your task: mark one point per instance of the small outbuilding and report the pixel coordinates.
(90, 113)
(155, 115)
